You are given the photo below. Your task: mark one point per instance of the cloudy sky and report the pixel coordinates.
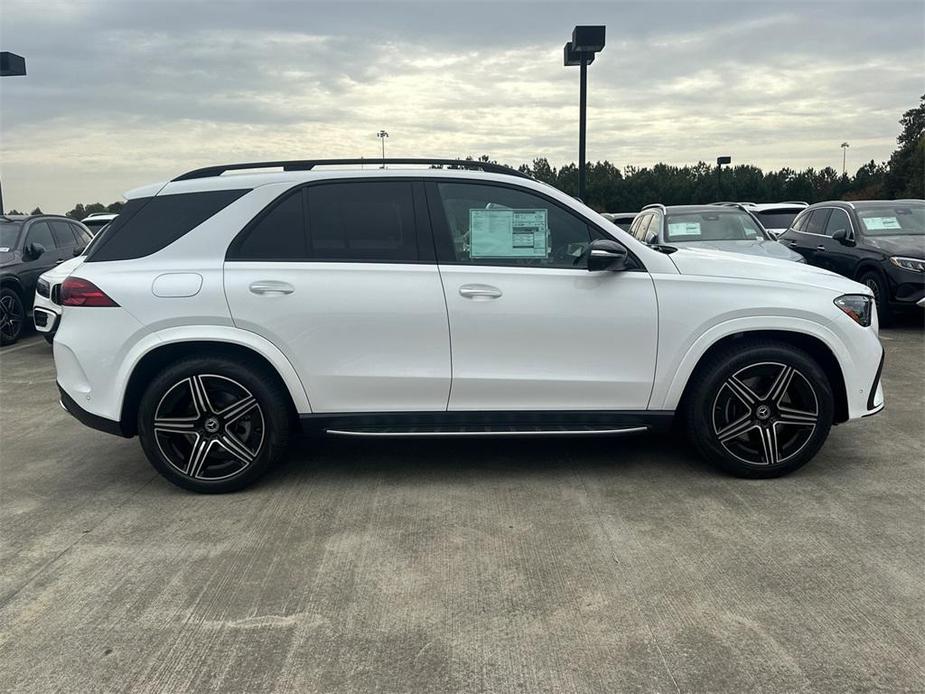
(125, 92)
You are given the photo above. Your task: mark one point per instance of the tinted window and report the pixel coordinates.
(82, 235)
(817, 222)
(800, 223)
(653, 228)
(278, 234)
(891, 219)
(639, 226)
(146, 225)
(96, 224)
(40, 232)
(63, 234)
(9, 234)
(723, 225)
(496, 225)
(838, 220)
(362, 221)
(777, 219)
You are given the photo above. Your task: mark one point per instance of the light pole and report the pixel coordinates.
(586, 41)
(11, 65)
(844, 158)
(382, 134)
(719, 179)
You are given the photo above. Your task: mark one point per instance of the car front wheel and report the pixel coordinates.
(213, 425)
(11, 316)
(759, 409)
(878, 285)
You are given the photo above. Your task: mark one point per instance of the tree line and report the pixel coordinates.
(611, 189)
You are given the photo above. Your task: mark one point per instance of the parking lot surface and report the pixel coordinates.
(562, 566)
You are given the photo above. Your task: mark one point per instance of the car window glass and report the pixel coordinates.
(82, 235)
(639, 226)
(64, 236)
(892, 219)
(40, 232)
(799, 223)
(362, 221)
(776, 219)
(497, 225)
(817, 222)
(837, 220)
(720, 225)
(653, 228)
(279, 234)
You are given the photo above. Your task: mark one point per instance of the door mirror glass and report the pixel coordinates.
(34, 251)
(606, 255)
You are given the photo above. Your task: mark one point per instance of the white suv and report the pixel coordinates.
(222, 311)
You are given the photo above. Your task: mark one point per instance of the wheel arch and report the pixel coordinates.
(163, 354)
(813, 345)
(868, 265)
(14, 283)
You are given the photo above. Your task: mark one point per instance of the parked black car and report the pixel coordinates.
(880, 243)
(30, 245)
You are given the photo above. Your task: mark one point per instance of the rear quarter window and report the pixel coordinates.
(147, 225)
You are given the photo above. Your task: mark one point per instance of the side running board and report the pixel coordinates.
(484, 431)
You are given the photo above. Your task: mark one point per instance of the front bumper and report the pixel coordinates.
(46, 314)
(89, 419)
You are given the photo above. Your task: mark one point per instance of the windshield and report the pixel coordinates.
(9, 233)
(889, 220)
(777, 219)
(722, 225)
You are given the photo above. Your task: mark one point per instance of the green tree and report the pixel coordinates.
(906, 175)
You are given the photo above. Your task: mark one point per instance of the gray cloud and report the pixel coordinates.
(123, 93)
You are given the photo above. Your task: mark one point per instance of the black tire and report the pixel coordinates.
(878, 285)
(228, 442)
(775, 434)
(49, 338)
(12, 316)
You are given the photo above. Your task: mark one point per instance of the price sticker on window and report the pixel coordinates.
(508, 233)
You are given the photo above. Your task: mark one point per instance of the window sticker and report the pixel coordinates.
(507, 233)
(4, 250)
(877, 223)
(684, 228)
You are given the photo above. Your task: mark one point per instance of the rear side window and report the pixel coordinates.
(40, 232)
(362, 221)
(279, 234)
(63, 234)
(817, 222)
(146, 225)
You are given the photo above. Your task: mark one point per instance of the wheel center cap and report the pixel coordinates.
(763, 412)
(211, 425)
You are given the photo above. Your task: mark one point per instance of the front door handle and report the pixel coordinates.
(479, 292)
(270, 287)
(793, 243)
(820, 247)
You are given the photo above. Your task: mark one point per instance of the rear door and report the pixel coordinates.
(836, 256)
(341, 277)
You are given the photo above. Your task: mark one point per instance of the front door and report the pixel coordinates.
(341, 277)
(531, 328)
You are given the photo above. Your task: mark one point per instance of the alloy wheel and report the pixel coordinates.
(765, 413)
(11, 315)
(209, 427)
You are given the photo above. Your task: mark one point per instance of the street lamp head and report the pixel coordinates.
(845, 145)
(588, 39)
(572, 57)
(723, 160)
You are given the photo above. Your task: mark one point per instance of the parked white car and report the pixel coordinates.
(775, 217)
(96, 221)
(46, 309)
(219, 313)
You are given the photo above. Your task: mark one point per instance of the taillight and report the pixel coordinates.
(80, 292)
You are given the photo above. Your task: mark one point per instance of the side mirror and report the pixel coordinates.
(841, 235)
(34, 251)
(606, 255)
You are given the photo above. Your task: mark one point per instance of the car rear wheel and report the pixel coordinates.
(12, 315)
(759, 409)
(876, 283)
(213, 425)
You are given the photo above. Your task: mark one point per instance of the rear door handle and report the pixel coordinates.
(271, 287)
(820, 247)
(479, 292)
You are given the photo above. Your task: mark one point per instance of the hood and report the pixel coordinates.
(759, 247)
(59, 272)
(714, 263)
(8, 257)
(910, 245)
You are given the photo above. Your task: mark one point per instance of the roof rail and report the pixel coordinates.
(309, 164)
(655, 204)
(795, 202)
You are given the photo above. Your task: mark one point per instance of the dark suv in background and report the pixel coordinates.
(30, 245)
(880, 243)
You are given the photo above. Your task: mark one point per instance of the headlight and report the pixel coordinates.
(858, 307)
(42, 288)
(914, 264)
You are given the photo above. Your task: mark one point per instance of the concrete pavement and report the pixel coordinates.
(501, 566)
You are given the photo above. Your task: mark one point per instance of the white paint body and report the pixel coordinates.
(384, 337)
